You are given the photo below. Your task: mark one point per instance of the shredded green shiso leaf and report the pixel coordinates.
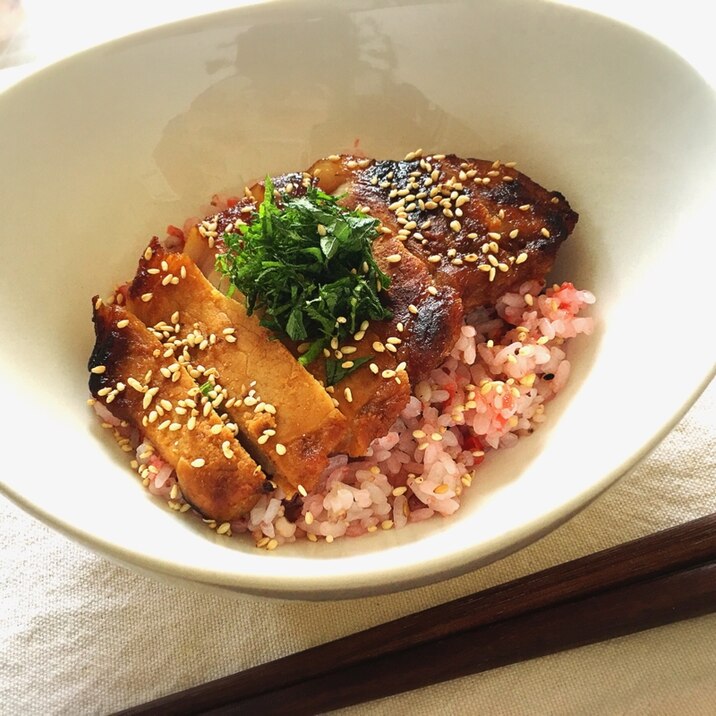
(306, 266)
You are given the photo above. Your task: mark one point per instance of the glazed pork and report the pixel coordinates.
(478, 227)
(285, 417)
(156, 395)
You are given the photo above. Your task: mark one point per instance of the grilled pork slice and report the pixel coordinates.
(426, 320)
(372, 396)
(130, 375)
(370, 402)
(479, 227)
(285, 417)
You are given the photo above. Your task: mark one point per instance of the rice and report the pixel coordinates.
(488, 393)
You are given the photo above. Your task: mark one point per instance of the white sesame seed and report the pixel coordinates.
(348, 393)
(280, 449)
(198, 462)
(148, 397)
(99, 369)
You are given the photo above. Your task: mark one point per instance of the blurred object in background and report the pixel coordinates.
(12, 46)
(10, 19)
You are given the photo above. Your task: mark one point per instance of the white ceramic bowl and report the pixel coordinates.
(102, 150)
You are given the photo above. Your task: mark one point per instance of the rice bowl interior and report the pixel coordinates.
(622, 134)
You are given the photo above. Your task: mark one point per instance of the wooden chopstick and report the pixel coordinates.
(614, 613)
(658, 579)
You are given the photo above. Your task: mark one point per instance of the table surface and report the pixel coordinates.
(79, 634)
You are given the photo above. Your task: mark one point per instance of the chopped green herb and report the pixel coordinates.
(206, 388)
(302, 264)
(335, 372)
(313, 352)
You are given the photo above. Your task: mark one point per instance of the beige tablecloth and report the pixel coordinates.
(80, 635)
